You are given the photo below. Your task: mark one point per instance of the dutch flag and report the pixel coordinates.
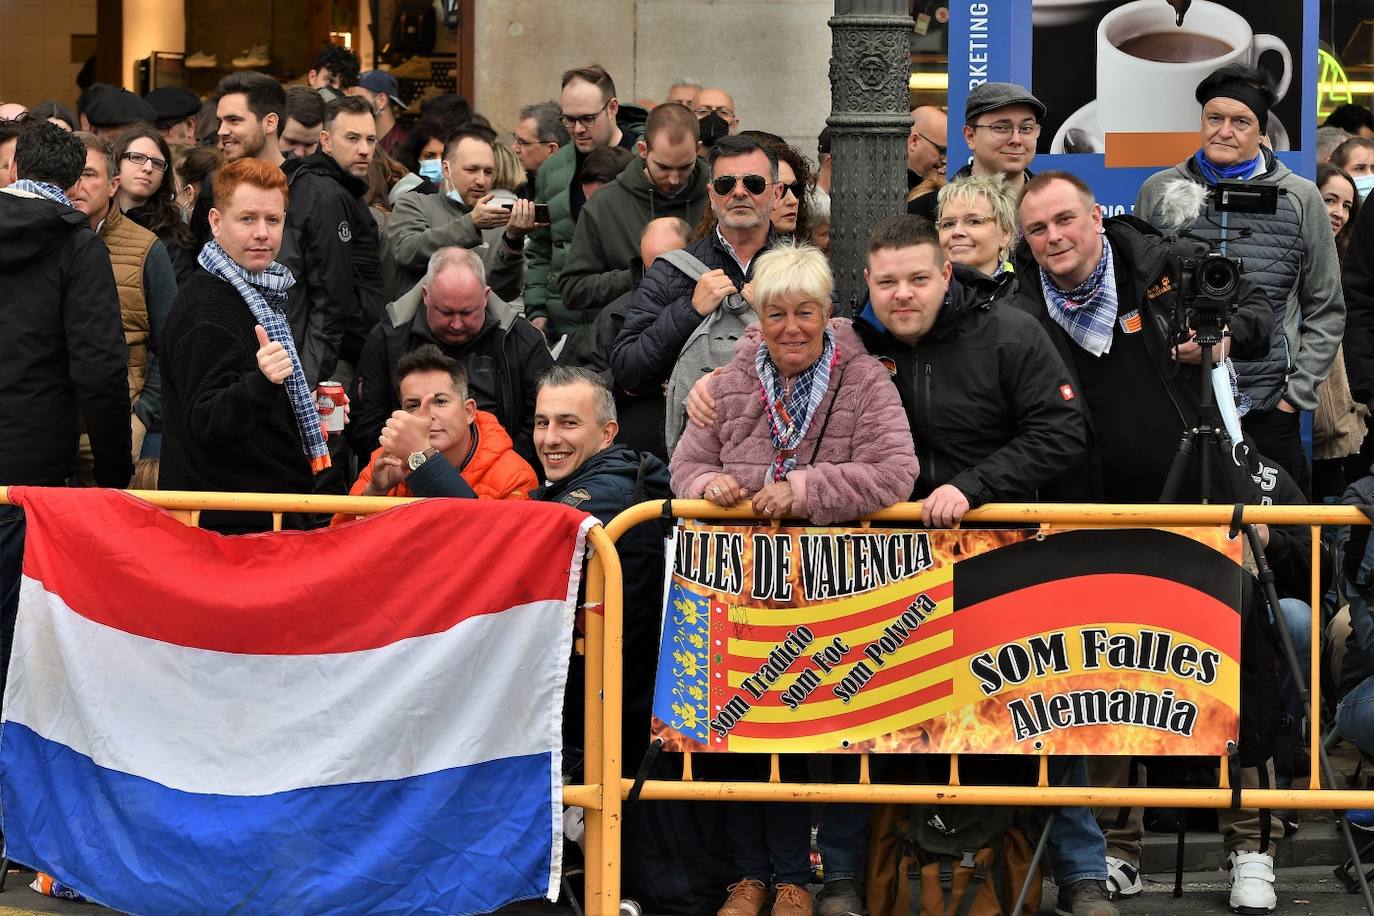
(359, 719)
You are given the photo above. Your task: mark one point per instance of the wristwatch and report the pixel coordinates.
(417, 459)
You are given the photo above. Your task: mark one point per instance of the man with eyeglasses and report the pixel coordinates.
(925, 151)
(146, 282)
(1001, 128)
(539, 133)
(595, 119)
(714, 101)
(669, 304)
(666, 180)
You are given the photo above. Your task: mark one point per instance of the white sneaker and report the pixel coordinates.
(255, 56)
(1252, 882)
(201, 60)
(1123, 878)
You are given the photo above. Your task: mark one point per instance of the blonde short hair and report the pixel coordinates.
(992, 188)
(792, 269)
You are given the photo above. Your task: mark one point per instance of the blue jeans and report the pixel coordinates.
(1077, 848)
(1297, 614)
(772, 840)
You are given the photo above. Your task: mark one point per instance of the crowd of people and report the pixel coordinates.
(624, 304)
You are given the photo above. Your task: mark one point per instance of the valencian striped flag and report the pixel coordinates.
(813, 639)
(357, 719)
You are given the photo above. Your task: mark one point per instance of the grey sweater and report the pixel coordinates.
(1292, 256)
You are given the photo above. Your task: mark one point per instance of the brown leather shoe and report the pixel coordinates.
(747, 898)
(792, 900)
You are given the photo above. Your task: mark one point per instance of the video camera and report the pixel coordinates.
(1208, 289)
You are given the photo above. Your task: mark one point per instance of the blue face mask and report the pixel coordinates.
(1364, 184)
(432, 169)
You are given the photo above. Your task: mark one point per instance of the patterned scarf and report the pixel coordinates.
(42, 189)
(1088, 311)
(265, 294)
(790, 412)
(1214, 173)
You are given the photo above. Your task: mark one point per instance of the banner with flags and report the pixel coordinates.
(1112, 641)
(357, 719)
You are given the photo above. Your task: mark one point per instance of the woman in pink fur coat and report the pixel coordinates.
(807, 425)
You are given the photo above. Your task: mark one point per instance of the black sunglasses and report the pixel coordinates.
(796, 188)
(754, 184)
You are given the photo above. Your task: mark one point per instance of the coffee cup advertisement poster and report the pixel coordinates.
(1118, 78)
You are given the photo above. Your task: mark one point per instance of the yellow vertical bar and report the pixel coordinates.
(611, 682)
(774, 769)
(1044, 778)
(1314, 685)
(954, 769)
(597, 830)
(686, 766)
(1224, 780)
(863, 770)
(276, 521)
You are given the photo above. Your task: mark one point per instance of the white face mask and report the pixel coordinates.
(1364, 184)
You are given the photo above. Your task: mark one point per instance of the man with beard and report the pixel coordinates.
(250, 107)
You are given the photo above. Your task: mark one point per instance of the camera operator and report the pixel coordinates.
(1107, 293)
(1289, 253)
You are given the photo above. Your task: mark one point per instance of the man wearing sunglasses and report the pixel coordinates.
(595, 119)
(925, 151)
(666, 180)
(1001, 128)
(669, 304)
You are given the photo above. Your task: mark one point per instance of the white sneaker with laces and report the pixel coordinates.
(1123, 878)
(1252, 883)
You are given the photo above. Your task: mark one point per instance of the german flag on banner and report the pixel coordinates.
(1091, 641)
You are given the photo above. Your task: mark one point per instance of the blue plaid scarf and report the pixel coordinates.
(1088, 311)
(42, 189)
(265, 295)
(790, 412)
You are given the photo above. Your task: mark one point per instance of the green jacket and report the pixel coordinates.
(606, 242)
(547, 249)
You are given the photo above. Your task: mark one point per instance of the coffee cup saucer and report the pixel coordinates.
(1081, 133)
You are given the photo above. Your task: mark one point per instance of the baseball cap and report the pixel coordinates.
(383, 82)
(992, 96)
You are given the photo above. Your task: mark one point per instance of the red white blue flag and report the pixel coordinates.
(360, 719)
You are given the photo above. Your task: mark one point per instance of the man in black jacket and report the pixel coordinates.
(453, 308)
(63, 349)
(669, 305)
(335, 259)
(1105, 292)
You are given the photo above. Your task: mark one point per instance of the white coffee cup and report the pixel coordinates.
(1137, 94)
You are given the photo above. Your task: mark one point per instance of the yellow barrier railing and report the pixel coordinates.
(603, 593)
(1048, 517)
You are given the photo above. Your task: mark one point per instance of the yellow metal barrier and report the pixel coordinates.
(1048, 517)
(603, 592)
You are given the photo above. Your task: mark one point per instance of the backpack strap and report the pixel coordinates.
(971, 889)
(945, 866)
(830, 409)
(686, 262)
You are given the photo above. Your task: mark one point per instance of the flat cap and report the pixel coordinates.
(173, 103)
(991, 96)
(117, 107)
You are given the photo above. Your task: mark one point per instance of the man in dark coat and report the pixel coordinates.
(335, 256)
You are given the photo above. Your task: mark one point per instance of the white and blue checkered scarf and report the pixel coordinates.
(42, 189)
(790, 412)
(1088, 311)
(265, 295)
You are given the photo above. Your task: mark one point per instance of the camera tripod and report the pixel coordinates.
(1209, 440)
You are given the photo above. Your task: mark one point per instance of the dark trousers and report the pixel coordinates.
(1278, 436)
(771, 840)
(11, 574)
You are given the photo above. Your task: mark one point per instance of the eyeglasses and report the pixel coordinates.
(970, 222)
(1002, 130)
(796, 189)
(140, 158)
(571, 121)
(725, 184)
(938, 148)
(522, 142)
(722, 110)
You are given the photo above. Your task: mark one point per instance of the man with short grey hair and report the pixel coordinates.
(539, 134)
(1328, 138)
(454, 309)
(682, 92)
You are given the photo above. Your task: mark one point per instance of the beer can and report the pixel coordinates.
(329, 400)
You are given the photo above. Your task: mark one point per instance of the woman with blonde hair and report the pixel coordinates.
(977, 223)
